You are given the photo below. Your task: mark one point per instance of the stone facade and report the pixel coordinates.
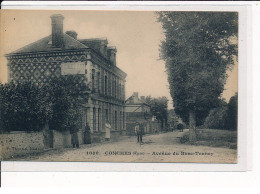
(47, 58)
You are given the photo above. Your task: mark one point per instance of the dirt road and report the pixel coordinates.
(163, 147)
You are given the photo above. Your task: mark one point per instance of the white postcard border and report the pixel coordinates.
(245, 90)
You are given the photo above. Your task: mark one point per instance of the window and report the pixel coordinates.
(120, 121)
(119, 91)
(115, 120)
(94, 119)
(98, 119)
(105, 85)
(93, 80)
(98, 81)
(123, 91)
(123, 120)
(115, 88)
(106, 112)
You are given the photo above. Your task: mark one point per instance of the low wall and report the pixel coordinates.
(20, 143)
(61, 139)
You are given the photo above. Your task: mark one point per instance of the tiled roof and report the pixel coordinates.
(44, 45)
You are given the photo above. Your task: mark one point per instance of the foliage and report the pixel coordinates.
(213, 138)
(232, 113)
(23, 107)
(198, 49)
(159, 107)
(184, 138)
(224, 116)
(217, 118)
(66, 94)
(27, 107)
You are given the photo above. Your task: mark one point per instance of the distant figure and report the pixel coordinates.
(87, 137)
(74, 136)
(180, 127)
(108, 128)
(138, 132)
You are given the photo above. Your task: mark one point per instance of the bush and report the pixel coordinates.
(184, 138)
(223, 117)
(27, 107)
(23, 107)
(217, 118)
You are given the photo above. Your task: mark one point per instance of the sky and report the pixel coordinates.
(136, 34)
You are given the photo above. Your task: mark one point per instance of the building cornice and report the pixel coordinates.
(47, 53)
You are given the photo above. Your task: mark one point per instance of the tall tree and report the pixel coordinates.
(159, 108)
(66, 94)
(198, 49)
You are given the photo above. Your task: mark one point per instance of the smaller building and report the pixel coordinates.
(138, 111)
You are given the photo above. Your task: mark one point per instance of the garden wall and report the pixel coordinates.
(61, 139)
(20, 143)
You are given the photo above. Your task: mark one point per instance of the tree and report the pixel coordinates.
(27, 107)
(66, 94)
(23, 107)
(159, 108)
(198, 49)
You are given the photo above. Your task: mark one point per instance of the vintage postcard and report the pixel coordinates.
(119, 86)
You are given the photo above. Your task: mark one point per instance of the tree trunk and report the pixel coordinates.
(192, 126)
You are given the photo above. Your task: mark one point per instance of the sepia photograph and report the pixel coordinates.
(119, 86)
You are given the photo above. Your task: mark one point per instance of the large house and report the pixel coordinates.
(62, 54)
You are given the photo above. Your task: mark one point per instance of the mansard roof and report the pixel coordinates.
(45, 45)
(94, 43)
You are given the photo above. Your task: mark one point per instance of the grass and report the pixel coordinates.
(215, 138)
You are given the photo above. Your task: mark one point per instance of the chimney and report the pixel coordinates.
(112, 54)
(103, 47)
(57, 30)
(135, 94)
(72, 34)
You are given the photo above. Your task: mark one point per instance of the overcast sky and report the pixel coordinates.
(136, 35)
